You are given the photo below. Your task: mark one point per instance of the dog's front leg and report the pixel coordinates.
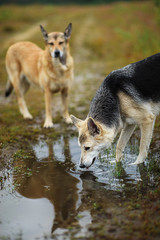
(123, 140)
(146, 135)
(48, 104)
(64, 94)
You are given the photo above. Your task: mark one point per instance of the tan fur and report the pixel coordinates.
(92, 141)
(87, 140)
(141, 114)
(37, 65)
(132, 114)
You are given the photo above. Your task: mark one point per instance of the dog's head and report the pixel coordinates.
(93, 137)
(57, 42)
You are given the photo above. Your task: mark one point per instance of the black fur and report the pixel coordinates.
(63, 59)
(9, 89)
(68, 31)
(45, 34)
(140, 80)
(104, 107)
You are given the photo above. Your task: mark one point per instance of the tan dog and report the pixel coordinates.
(51, 69)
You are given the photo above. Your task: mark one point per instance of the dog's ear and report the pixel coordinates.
(92, 127)
(76, 121)
(67, 32)
(45, 34)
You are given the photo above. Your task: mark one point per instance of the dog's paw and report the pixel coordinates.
(140, 159)
(48, 124)
(28, 116)
(119, 158)
(136, 162)
(131, 164)
(68, 120)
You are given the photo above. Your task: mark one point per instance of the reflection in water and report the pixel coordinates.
(50, 172)
(48, 178)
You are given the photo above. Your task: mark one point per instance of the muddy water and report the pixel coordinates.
(45, 194)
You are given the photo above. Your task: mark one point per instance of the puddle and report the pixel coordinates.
(46, 193)
(43, 193)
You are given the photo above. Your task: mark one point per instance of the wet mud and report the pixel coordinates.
(43, 192)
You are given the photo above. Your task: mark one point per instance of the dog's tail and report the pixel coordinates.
(9, 88)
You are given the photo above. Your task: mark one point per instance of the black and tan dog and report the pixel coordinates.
(51, 69)
(128, 97)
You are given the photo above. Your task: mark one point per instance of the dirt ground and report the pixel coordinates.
(109, 201)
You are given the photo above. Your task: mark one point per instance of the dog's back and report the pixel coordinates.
(127, 97)
(139, 80)
(23, 58)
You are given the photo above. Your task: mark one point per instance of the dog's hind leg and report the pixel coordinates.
(146, 135)
(64, 95)
(123, 140)
(15, 80)
(24, 84)
(9, 88)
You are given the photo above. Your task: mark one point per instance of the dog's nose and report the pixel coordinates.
(57, 53)
(82, 165)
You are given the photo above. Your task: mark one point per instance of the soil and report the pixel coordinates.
(43, 193)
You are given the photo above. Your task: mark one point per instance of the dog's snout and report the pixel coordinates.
(82, 165)
(57, 53)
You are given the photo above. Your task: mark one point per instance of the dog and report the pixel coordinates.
(127, 97)
(51, 69)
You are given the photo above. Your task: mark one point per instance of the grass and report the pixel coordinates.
(102, 40)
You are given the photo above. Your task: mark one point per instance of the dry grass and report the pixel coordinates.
(102, 40)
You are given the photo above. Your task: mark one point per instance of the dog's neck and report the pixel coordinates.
(105, 108)
(63, 59)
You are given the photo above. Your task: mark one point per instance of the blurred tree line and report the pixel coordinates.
(157, 3)
(60, 2)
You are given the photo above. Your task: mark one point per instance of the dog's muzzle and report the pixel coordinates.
(82, 165)
(57, 54)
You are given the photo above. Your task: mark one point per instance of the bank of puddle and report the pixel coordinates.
(45, 192)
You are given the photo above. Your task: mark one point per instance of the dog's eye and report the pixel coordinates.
(60, 43)
(51, 43)
(86, 148)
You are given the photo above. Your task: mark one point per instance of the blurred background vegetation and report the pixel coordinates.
(60, 2)
(105, 37)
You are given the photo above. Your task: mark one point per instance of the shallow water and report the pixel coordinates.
(45, 191)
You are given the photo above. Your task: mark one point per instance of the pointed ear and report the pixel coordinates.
(67, 32)
(45, 34)
(92, 127)
(75, 121)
